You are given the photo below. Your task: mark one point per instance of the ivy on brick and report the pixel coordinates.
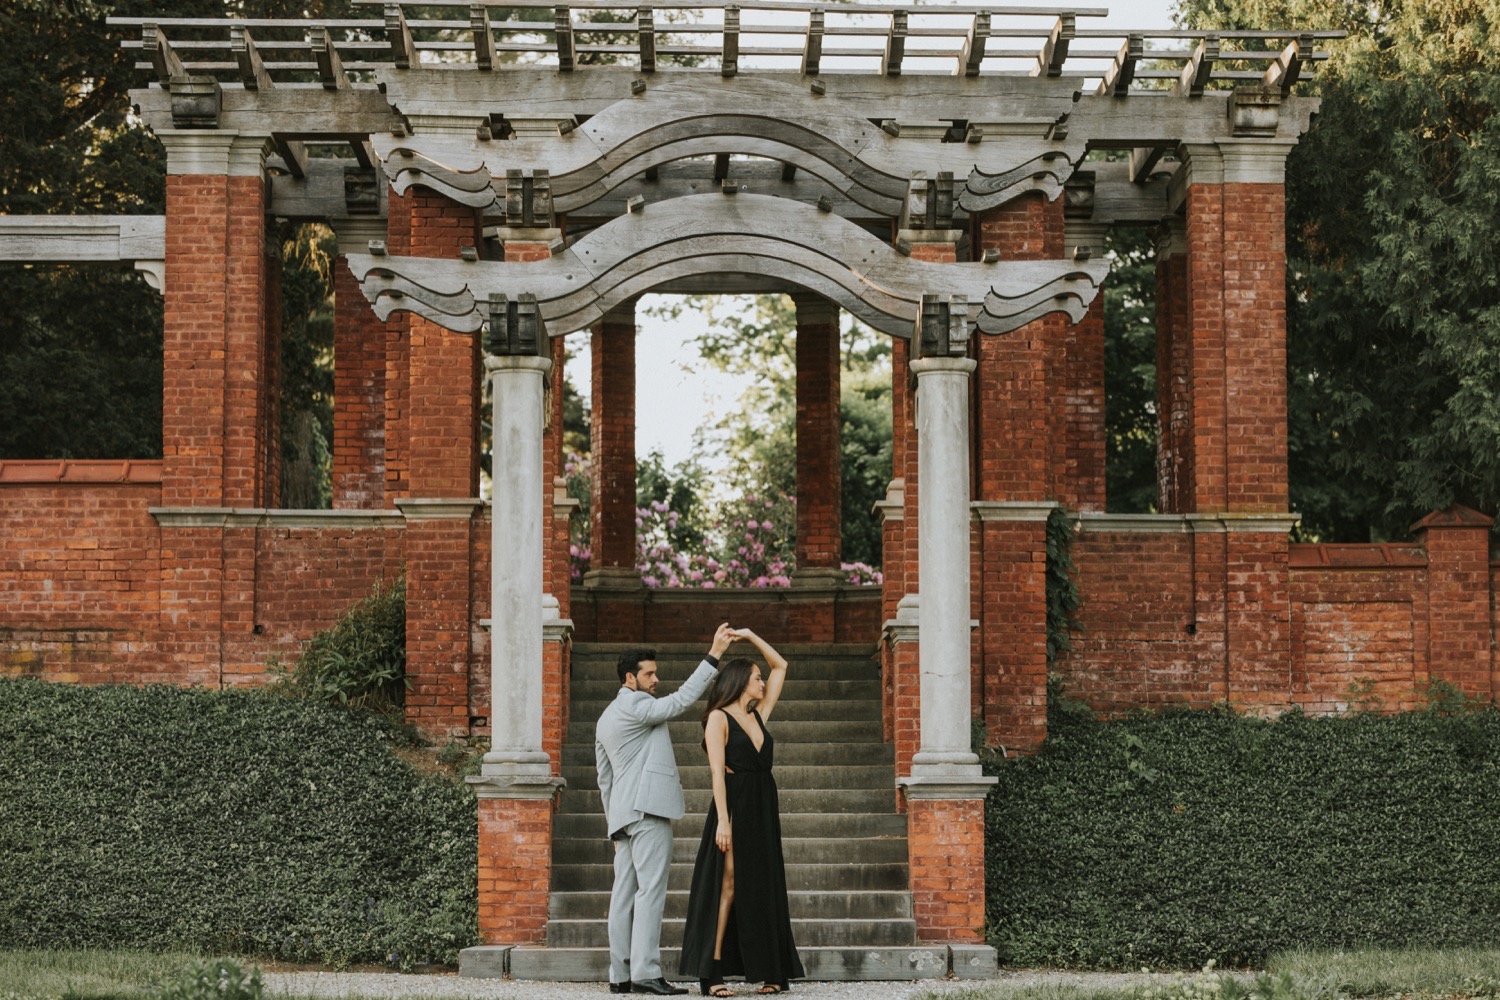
(238, 822)
(1175, 839)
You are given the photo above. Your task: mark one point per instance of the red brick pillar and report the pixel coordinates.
(1011, 449)
(218, 389)
(819, 492)
(613, 576)
(359, 379)
(1174, 398)
(442, 424)
(515, 868)
(1460, 632)
(946, 846)
(1078, 429)
(1236, 319)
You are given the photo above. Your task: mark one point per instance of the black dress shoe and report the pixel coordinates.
(659, 986)
(620, 987)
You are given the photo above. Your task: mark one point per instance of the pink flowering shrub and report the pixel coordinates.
(750, 545)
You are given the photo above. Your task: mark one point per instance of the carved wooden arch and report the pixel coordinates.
(870, 163)
(715, 234)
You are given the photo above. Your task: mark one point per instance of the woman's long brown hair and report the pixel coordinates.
(725, 689)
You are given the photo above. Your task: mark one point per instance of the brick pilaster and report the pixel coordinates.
(612, 437)
(359, 396)
(818, 434)
(515, 869)
(945, 844)
(1460, 638)
(1174, 398)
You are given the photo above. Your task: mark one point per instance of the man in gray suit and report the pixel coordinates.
(642, 795)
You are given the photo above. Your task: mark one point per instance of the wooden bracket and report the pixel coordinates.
(646, 30)
(1121, 73)
(484, 40)
(812, 49)
(517, 328)
(562, 23)
(1200, 68)
(1143, 160)
(895, 45)
(1049, 61)
(730, 63)
(1285, 71)
(942, 327)
(528, 198)
(398, 34)
(252, 70)
(163, 57)
(974, 44)
(330, 67)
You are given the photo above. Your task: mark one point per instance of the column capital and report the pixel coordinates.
(813, 308)
(354, 233)
(501, 364)
(1171, 238)
(215, 151)
(943, 366)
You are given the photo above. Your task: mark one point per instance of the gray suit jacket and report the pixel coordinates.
(633, 752)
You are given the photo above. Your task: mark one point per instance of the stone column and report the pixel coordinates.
(516, 786)
(946, 789)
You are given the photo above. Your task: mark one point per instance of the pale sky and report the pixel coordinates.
(676, 393)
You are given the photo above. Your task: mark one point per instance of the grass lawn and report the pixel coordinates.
(1411, 974)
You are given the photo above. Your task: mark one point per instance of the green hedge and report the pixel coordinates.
(224, 822)
(1175, 839)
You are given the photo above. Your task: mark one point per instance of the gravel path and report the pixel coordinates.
(336, 985)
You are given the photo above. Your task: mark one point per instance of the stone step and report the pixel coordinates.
(789, 709)
(788, 778)
(690, 754)
(807, 933)
(797, 688)
(832, 878)
(797, 850)
(849, 826)
(690, 731)
(591, 965)
(858, 800)
(856, 905)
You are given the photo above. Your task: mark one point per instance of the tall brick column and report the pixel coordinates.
(612, 507)
(1078, 429)
(218, 389)
(819, 491)
(1174, 399)
(442, 460)
(1012, 480)
(1236, 440)
(1460, 633)
(359, 372)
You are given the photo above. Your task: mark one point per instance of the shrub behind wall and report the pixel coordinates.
(239, 822)
(1173, 839)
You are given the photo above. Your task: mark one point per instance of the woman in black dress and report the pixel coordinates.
(738, 922)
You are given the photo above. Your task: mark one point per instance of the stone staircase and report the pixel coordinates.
(845, 844)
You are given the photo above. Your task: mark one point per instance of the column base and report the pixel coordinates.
(613, 578)
(516, 776)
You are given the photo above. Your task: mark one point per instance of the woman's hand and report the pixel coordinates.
(722, 837)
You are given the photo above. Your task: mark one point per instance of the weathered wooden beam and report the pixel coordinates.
(1143, 161)
(974, 45)
(1121, 73)
(729, 63)
(1200, 68)
(812, 50)
(398, 34)
(721, 166)
(163, 59)
(1284, 72)
(1049, 61)
(646, 36)
(330, 67)
(364, 154)
(895, 45)
(252, 69)
(82, 238)
(788, 172)
(484, 41)
(293, 153)
(562, 24)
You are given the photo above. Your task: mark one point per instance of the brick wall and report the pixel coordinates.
(359, 393)
(945, 843)
(515, 869)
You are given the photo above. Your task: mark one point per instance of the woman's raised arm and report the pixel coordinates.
(775, 663)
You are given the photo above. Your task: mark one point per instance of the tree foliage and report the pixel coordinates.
(1393, 211)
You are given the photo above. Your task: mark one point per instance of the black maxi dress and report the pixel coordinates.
(758, 937)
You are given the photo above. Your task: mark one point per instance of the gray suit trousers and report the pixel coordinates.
(643, 857)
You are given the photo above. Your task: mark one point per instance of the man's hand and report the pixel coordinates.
(723, 636)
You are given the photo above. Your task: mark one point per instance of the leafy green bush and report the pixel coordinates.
(224, 822)
(1171, 840)
(361, 661)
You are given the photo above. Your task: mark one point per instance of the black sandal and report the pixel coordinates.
(714, 985)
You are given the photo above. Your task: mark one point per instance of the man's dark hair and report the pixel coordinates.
(631, 660)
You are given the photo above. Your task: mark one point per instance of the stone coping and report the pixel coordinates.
(1184, 523)
(260, 517)
(86, 472)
